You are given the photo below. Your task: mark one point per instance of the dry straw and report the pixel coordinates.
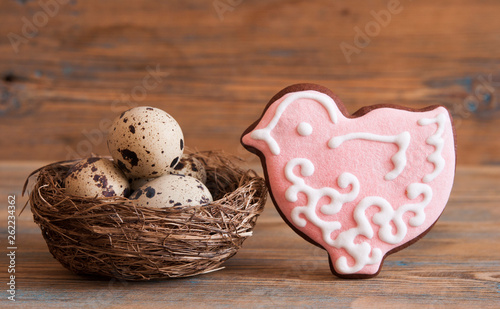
(113, 237)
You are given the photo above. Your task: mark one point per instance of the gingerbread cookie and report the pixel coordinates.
(361, 186)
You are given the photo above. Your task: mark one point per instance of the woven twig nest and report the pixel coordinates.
(113, 237)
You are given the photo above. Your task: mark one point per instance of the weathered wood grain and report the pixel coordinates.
(456, 265)
(61, 88)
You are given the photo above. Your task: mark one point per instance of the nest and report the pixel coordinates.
(113, 237)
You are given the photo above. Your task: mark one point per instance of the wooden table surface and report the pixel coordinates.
(456, 265)
(68, 67)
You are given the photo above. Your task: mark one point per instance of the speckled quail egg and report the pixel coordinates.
(145, 142)
(96, 177)
(172, 190)
(190, 166)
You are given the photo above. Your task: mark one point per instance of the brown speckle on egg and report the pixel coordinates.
(135, 195)
(179, 166)
(129, 156)
(190, 166)
(108, 193)
(96, 177)
(194, 168)
(188, 192)
(150, 192)
(174, 162)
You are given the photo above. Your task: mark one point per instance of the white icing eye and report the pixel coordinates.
(304, 129)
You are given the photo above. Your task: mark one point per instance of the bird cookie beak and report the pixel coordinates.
(248, 141)
(254, 138)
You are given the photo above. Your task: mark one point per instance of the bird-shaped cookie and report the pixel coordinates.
(361, 186)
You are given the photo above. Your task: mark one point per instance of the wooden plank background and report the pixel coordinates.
(60, 88)
(67, 70)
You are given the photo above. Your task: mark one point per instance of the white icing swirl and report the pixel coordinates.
(402, 140)
(437, 141)
(314, 195)
(362, 253)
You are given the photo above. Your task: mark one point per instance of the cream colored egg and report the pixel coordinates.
(190, 166)
(171, 191)
(145, 142)
(96, 177)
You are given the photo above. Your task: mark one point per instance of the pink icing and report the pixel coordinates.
(303, 132)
